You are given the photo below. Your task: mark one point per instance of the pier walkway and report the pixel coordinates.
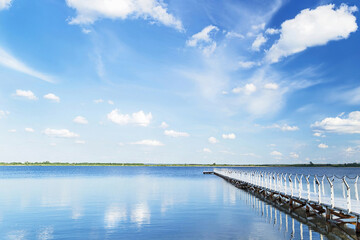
(330, 204)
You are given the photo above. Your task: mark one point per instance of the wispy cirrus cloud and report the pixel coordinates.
(9, 61)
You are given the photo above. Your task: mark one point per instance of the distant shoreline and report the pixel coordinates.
(173, 165)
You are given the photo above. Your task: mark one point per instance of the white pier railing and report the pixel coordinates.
(337, 192)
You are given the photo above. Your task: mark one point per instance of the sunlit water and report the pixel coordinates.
(135, 203)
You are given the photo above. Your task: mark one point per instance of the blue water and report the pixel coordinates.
(136, 203)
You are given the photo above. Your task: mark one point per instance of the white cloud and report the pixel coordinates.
(283, 127)
(80, 142)
(340, 124)
(322, 145)
(4, 114)
(294, 155)
(164, 125)
(313, 28)
(138, 118)
(110, 102)
(248, 89)
(260, 26)
(229, 136)
(317, 134)
(234, 35)
(276, 153)
(213, 140)
(271, 86)
(148, 142)
(26, 94)
(173, 133)
(5, 4)
(80, 120)
(12, 130)
(52, 97)
(141, 119)
(89, 11)
(98, 100)
(247, 64)
(207, 150)
(259, 41)
(85, 30)
(203, 40)
(29, 130)
(61, 133)
(7, 60)
(272, 31)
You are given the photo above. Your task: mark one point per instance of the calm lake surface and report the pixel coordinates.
(139, 203)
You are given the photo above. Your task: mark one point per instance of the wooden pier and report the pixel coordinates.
(324, 211)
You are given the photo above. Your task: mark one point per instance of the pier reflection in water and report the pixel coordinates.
(289, 227)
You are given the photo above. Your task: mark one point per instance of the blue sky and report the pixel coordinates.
(179, 81)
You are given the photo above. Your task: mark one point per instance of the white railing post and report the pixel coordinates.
(356, 188)
(319, 188)
(332, 199)
(299, 184)
(291, 185)
(348, 196)
(308, 186)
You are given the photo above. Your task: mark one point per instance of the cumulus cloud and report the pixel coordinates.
(207, 150)
(137, 118)
(203, 40)
(52, 97)
(340, 124)
(60, 133)
(173, 133)
(7, 60)
(276, 153)
(29, 129)
(248, 89)
(313, 27)
(213, 140)
(148, 142)
(80, 142)
(229, 136)
(259, 41)
(164, 125)
(89, 11)
(80, 120)
(294, 155)
(26, 94)
(271, 86)
(5, 4)
(322, 145)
